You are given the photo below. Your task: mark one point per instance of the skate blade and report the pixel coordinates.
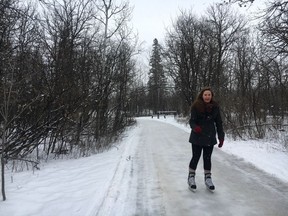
(211, 190)
(192, 189)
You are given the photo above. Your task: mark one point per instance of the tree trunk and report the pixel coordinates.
(3, 178)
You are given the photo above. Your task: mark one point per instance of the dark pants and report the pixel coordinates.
(196, 153)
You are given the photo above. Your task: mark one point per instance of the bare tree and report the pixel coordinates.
(274, 27)
(113, 19)
(185, 55)
(198, 50)
(66, 29)
(241, 3)
(225, 29)
(17, 36)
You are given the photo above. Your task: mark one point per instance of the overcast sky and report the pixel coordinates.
(151, 17)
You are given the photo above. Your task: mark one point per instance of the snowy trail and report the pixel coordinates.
(154, 169)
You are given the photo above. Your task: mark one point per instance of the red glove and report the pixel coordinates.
(221, 141)
(197, 129)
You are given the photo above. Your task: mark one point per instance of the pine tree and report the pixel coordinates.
(157, 80)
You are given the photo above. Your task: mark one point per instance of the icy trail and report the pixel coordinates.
(156, 176)
(146, 175)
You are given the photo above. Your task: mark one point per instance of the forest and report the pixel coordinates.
(70, 83)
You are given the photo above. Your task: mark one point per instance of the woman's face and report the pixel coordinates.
(207, 96)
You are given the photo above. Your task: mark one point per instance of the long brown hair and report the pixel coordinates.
(199, 104)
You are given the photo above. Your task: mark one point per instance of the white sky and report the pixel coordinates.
(151, 17)
(146, 174)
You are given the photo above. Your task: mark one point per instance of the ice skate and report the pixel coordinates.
(208, 182)
(191, 181)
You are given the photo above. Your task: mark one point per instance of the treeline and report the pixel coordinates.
(66, 72)
(246, 66)
(68, 75)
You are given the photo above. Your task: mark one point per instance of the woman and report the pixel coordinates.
(205, 121)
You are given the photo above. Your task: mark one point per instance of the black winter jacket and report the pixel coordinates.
(210, 122)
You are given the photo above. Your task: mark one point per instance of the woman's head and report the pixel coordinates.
(206, 95)
(204, 100)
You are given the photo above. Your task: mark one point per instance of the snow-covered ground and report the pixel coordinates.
(122, 181)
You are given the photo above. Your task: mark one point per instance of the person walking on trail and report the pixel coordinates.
(205, 121)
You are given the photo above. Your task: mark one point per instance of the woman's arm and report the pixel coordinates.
(219, 125)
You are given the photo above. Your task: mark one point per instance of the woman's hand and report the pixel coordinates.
(197, 129)
(221, 141)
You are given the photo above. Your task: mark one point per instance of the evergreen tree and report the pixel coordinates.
(157, 80)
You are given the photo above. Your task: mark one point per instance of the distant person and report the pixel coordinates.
(205, 120)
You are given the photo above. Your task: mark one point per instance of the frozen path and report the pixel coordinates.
(155, 169)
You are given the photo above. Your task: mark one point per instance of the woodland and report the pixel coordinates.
(70, 82)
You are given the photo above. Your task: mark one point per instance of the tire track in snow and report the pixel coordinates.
(113, 202)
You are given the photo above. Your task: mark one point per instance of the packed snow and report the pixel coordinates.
(124, 180)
